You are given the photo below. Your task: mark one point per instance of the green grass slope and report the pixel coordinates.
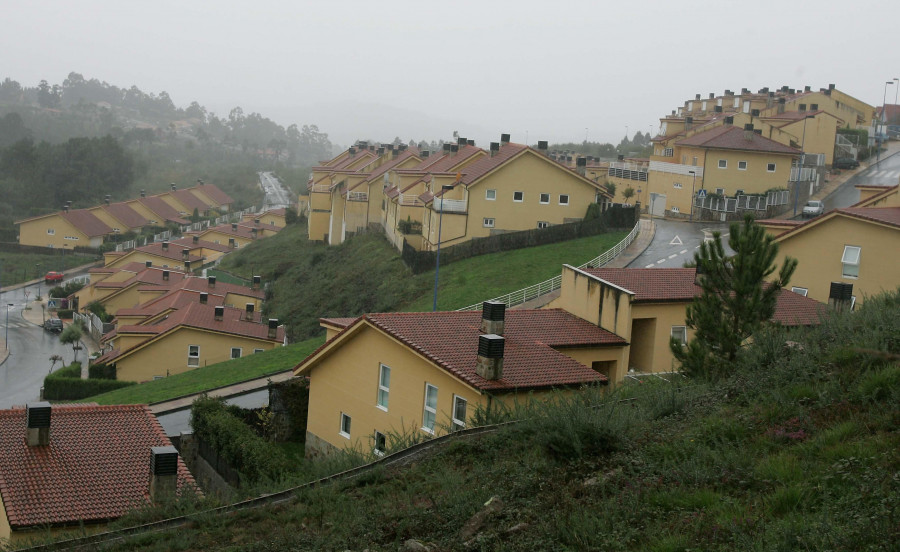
(795, 450)
(366, 274)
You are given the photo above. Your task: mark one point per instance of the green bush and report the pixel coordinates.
(102, 371)
(255, 458)
(66, 384)
(64, 313)
(66, 290)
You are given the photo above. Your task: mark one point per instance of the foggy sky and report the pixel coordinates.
(381, 68)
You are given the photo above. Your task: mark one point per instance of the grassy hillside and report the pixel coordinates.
(795, 450)
(366, 274)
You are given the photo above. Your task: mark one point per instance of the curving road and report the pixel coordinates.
(277, 196)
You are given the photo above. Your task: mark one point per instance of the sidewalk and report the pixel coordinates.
(39, 312)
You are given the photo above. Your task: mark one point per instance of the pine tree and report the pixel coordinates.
(736, 298)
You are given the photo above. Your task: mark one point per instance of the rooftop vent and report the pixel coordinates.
(249, 309)
(712, 95)
(273, 328)
(234, 226)
(219, 313)
(195, 239)
(504, 139)
(495, 148)
(211, 282)
(696, 96)
(204, 297)
(163, 472)
(493, 317)
(185, 253)
(257, 280)
(165, 275)
(461, 141)
(165, 246)
(425, 154)
(351, 151)
(174, 187)
(37, 418)
(542, 146)
(807, 88)
(447, 146)
(148, 264)
(748, 132)
(470, 142)
(489, 362)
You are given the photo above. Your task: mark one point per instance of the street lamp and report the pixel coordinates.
(693, 182)
(437, 269)
(877, 136)
(6, 337)
(38, 269)
(802, 162)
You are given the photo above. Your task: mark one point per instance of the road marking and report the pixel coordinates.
(676, 241)
(661, 261)
(682, 252)
(651, 265)
(698, 247)
(672, 256)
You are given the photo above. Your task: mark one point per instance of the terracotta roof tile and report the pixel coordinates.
(128, 216)
(96, 467)
(189, 200)
(732, 138)
(86, 222)
(163, 209)
(214, 193)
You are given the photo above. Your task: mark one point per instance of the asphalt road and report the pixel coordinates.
(885, 173)
(675, 243)
(30, 349)
(176, 422)
(277, 196)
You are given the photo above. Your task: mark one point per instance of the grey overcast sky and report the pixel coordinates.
(378, 69)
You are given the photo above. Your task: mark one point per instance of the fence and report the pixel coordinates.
(91, 322)
(743, 202)
(611, 219)
(553, 284)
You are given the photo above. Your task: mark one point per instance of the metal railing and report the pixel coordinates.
(450, 205)
(358, 196)
(533, 292)
(676, 168)
(409, 199)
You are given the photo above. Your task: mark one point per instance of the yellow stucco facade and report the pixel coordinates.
(54, 231)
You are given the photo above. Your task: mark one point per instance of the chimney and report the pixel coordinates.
(395, 153)
(447, 146)
(729, 120)
(688, 123)
(231, 243)
(249, 310)
(831, 87)
(219, 313)
(801, 108)
(143, 193)
(712, 95)
(187, 265)
(453, 149)
(380, 151)
(196, 239)
(173, 187)
(748, 132)
(165, 275)
(785, 88)
(273, 328)
(470, 142)
(718, 109)
(37, 417)
(780, 105)
(234, 226)
(840, 297)
(542, 146)
(204, 297)
(163, 473)
(745, 91)
(106, 199)
(66, 208)
(461, 141)
(211, 282)
(253, 232)
(489, 362)
(697, 96)
(256, 221)
(402, 147)
(425, 154)
(165, 246)
(754, 113)
(351, 151)
(148, 264)
(504, 139)
(807, 88)
(620, 157)
(493, 316)
(185, 253)
(257, 281)
(581, 165)
(495, 148)
(827, 92)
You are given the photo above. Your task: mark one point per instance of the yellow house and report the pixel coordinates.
(324, 178)
(74, 468)
(514, 188)
(197, 334)
(857, 246)
(120, 217)
(212, 196)
(429, 372)
(272, 217)
(234, 235)
(160, 212)
(69, 228)
(117, 288)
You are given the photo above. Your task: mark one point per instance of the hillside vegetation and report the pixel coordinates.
(795, 449)
(366, 274)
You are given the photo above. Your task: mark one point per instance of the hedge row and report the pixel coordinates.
(235, 442)
(66, 384)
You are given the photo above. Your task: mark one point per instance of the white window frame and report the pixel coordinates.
(543, 224)
(383, 390)
(345, 427)
(723, 163)
(703, 105)
(772, 165)
(194, 357)
(458, 423)
(561, 196)
(544, 201)
(256, 351)
(490, 195)
(737, 102)
(676, 210)
(742, 165)
(694, 161)
(429, 409)
(487, 222)
(800, 290)
(676, 185)
(682, 330)
(521, 196)
(720, 191)
(669, 152)
(850, 261)
(240, 352)
(375, 438)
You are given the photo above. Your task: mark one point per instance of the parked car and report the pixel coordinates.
(54, 325)
(845, 163)
(813, 208)
(53, 277)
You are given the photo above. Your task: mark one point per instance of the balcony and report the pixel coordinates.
(676, 168)
(358, 196)
(409, 200)
(450, 205)
(320, 188)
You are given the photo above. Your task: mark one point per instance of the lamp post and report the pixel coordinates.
(38, 269)
(877, 136)
(693, 182)
(802, 162)
(6, 337)
(437, 269)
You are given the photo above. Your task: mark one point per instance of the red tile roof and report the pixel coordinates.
(886, 215)
(450, 340)
(214, 193)
(86, 222)
(732, 138)
(125, 214)
(446, 162)
(189, 200)
(385, 167)
(173, 252)
(163, 209)
(96, 468)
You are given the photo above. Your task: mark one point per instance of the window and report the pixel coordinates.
(518, 196)
(488, 223)
(490, 195)
(235, 352)
(429, 416)
(345, 426)
(739, 192)
(669, 152)
(255, 351)
(694, 162)
(850, 261)
(737, 101)
(690, 106)
(676, 185)
(384, 387)
(770, 167)
(459, 412)
(543, 224)
(545, 199)
(679, 333)
(720, 191)
(683, 159)
(800, 290)
(51, 231)
(675, 210)
(703, 105)
(723, 163)
(380, 444)
(742, 165)
(193, 355)
(563, 199)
